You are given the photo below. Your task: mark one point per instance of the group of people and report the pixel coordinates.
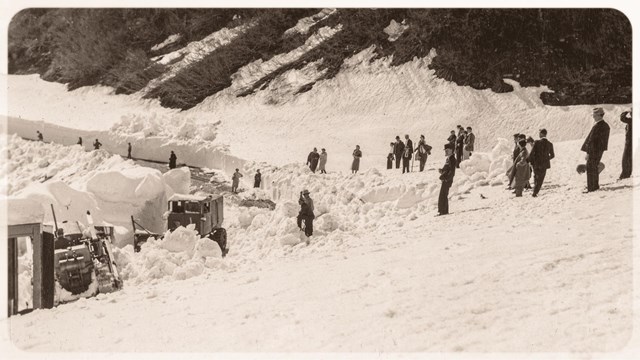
(317, 161)
(96, 144)
(404, 151)
(529, 157)
(463, 143)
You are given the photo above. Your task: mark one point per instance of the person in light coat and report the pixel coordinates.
(323, 161)
(236, 181)
(522, 168)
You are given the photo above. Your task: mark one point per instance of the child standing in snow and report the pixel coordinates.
(236, 181)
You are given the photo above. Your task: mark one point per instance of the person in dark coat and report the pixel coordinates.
(129, 151)
(312, 160)
(595, 145)
(79, 141)
(40, 136)
(172, 160)
(407, 155)
(511, 172)
(257, 179)
(626, 118)
(355, 165)
(522, 169)
(540, 160)
(97, 144)
(423, 151)
(390, 155)
(452, 138)
(459, 146)
(469, 141)
(306, 214)
(446, 176)
(398, 151)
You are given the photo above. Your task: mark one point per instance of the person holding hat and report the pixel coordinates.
(625, 117)
(306, 214)
(323, 161)
(423, 151)
(540, 160)
(446, 176)
(399, 149)
(595, 145)
(235, 181)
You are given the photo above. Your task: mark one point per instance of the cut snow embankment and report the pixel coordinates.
(304, 24)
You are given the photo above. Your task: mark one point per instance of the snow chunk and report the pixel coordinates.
(179, 180)
(168, 41)
(22, 211)
(395, 29)
(181, 239)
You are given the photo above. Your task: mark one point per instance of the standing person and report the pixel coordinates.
(97, 144)
(390, 156)
(465, 152)
(511, 172)
(540, 159)
(306, 213)
(40, 136)
(469, 141)
(452, 138)
(529, 147)
(312, 159)
(235, 181)
(79, 141)
(399, 150)
(407, 155)
(523, 171)
(459, 145)
(357, 154)
(129, 151)
(423, 150)
(625, 117)
(323, 161)
(595, 145)
(446, 176)
(257, 179)
(172, 160)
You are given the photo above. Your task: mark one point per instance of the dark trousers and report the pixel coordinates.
(538, 179)
(626, 161)
(256, 184)
(443, 198)
(313, 165)
(398, 157)
(593, 176)
(389, 161)
(423, 160)
(308, 224)
(406, 161)
(458, 156)
(129, 155)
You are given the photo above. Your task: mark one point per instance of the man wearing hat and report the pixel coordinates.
(446, 175)
(595, 145)
(398, 150)
(306, 213)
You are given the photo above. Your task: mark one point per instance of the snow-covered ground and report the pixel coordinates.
(381, 274)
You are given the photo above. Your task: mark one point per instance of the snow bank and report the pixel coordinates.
(22, 211)
(180, 255)
(179, 180)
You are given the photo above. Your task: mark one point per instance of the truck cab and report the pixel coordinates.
(206, 212)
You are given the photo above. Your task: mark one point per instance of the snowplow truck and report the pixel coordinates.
(83, 255)
(205, 212)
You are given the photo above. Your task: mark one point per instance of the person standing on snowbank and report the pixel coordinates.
(79, 141)
(306, 213)
(312, 160)
(452, 138)
(540, 159)
(627, 160)
(40, 136)
(522, 169)
(172, 160)
(407, 155)
(398, 151)
(390, 156)
(323, 161)
(469, 142)
(129, 151)
(459, 145)
(97, 144)
(257, 179)
(595, 145)
(423, 151)
(447, 173)
(355, 165)
(235, 181)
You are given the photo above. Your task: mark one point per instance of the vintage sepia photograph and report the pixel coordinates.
(318, 182)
